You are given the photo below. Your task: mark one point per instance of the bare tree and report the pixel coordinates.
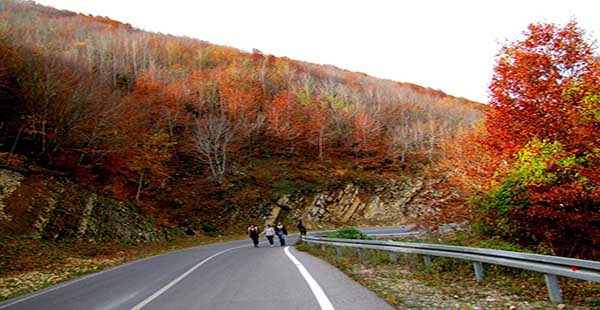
(401, 141)
(212, 136)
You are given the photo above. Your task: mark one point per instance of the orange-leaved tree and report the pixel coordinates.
(543, 129)
(286, 120)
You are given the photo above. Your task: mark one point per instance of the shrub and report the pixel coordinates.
(209, 229)
(347, 233)
(549, 196)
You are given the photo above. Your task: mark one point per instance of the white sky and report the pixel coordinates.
(442, 44)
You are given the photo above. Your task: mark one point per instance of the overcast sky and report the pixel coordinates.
(442, 44)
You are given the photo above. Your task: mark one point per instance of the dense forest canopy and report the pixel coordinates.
(129, 109)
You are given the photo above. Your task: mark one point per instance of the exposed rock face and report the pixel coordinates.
(87, 212)
(392, 203)
(9, 182)
(57, 209)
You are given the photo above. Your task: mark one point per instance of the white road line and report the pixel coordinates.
(314, 286)
(45, 291)
(54, 288)
(185, 274)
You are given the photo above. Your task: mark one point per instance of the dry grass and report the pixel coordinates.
(450, 284)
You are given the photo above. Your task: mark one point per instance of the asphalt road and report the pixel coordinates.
(230, 276)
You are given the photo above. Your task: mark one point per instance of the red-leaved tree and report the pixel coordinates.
(543, 131)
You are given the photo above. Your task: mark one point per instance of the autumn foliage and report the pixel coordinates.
(136, 113)
(538, 176)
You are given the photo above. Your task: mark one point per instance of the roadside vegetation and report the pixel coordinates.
(532, 170)
(450, 283)
(347, 233)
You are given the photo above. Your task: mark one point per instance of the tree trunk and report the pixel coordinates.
(321, 145)
(12, 149)
(139, 189)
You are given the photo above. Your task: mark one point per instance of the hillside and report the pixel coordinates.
(192, 131)
(55, 209)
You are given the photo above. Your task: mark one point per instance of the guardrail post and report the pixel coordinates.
(361, 254)
(412, 260)
(414, 253)
(427, 259)
(478, 266)
(553, 288)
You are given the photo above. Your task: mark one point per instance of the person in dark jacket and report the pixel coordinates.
(253, 234)
(301, 228)
(281, 232)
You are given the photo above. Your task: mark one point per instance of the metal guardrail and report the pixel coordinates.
(407, 230)
(550, 266)
(397, 234)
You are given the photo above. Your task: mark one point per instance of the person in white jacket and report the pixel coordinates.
(269, 233)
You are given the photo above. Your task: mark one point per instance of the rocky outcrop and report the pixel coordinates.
(86, 214)
(57, 209)
(394, 202)
(9, 182)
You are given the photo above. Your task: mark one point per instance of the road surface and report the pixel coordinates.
(227, 276)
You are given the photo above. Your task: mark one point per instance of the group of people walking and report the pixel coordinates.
(270, 232)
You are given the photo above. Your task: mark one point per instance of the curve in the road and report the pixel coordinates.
(225, 276)
(321, 297)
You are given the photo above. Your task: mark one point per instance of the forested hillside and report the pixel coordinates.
(177, 125)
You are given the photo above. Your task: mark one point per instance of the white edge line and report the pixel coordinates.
(21, 299)
(312, 283)
(64, 284)
(38, 293)
(185, 274)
